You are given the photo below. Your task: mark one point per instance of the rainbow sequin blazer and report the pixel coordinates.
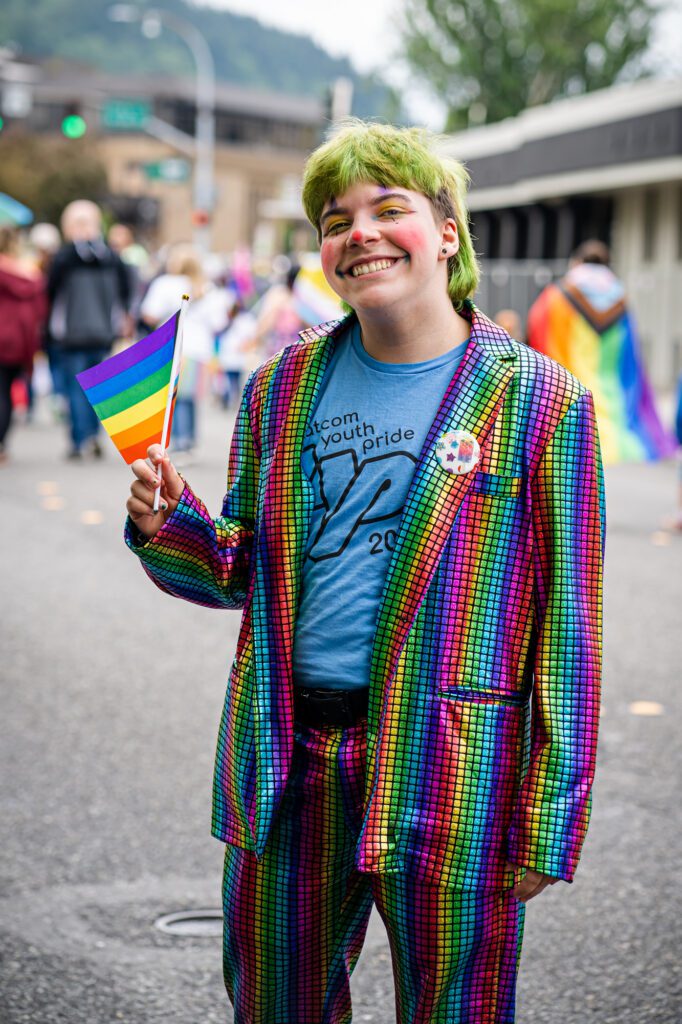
(484, 692)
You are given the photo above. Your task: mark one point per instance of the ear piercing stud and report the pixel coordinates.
(444, 250)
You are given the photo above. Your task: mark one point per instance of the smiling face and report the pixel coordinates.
(383, 247)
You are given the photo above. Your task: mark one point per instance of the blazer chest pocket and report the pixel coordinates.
(495, 486)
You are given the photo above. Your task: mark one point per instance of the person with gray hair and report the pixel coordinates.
(44, 241)
(89, 295)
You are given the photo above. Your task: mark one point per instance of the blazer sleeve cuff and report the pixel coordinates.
(142, 545)
(540, 854)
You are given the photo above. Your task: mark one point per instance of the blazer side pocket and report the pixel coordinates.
(496, 486)
(471, 695)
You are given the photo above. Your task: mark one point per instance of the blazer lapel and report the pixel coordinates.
(283, 528)
(470, 404)
(287, 500)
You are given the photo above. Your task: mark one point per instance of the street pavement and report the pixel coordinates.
(110, 702)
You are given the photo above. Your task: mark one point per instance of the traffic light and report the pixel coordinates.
(73, 125)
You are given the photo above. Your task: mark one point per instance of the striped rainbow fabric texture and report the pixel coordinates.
(129, 391)
(582, 322)
(295, 919)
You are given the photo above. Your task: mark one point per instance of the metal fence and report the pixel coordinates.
(515, 284)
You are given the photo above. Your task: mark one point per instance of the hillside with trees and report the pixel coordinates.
(245, 51)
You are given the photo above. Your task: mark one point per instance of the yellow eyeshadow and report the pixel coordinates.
(334, 223)
(396, 207)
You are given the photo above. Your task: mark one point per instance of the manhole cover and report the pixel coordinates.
(192, 922)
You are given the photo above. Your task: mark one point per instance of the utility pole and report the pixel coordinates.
(151, 21)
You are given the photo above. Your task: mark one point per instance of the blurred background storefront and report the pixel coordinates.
(141, 130)
(607, 165)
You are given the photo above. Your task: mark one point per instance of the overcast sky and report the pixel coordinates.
(366, 31)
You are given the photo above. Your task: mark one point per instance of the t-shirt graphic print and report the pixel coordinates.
(361, 447)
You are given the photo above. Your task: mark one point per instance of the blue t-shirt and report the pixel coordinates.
(362, 444)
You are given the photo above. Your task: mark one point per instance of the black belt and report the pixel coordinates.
(321, 709)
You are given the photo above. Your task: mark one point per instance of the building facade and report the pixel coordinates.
(142, 129)
(606, 165)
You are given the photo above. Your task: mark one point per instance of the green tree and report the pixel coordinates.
(490, 59)
(47, 173)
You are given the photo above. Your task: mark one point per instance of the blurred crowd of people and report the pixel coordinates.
(69, 298)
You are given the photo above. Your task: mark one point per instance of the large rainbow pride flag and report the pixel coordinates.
(130, 391)
(583, 323)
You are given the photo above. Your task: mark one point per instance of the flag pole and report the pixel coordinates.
(175, 370)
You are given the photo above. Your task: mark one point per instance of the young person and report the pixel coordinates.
(413, 528)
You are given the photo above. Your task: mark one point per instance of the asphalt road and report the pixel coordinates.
(110, 701)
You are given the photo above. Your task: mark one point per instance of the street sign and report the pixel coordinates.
(126, 115)
(173, 169)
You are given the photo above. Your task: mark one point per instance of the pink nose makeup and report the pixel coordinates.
(356, 235)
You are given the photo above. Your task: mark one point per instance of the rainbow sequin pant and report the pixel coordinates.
(295, 921)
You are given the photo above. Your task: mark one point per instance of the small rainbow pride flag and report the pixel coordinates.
(133, 393)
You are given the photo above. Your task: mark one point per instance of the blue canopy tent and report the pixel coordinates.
(13, 213)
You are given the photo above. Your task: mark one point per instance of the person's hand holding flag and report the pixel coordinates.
(140, 504)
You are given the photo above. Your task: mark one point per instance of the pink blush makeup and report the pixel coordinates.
(412, 239)
(328, 258)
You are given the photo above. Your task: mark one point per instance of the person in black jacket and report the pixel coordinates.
(89, 295)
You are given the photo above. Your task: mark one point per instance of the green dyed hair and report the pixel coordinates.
(404, 157)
